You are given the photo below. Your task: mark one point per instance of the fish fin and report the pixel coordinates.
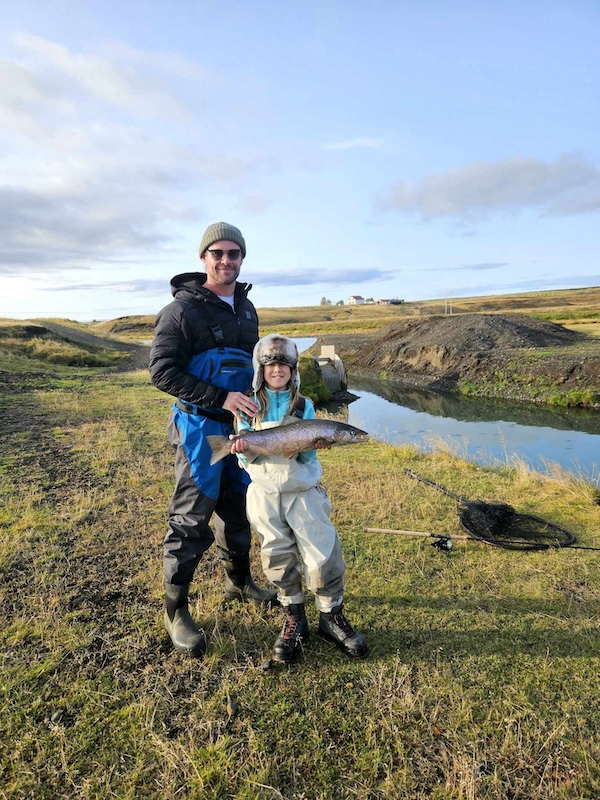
(291, 455)
(289, 420)
(220, 446)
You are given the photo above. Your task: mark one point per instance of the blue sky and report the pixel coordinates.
(388, 149)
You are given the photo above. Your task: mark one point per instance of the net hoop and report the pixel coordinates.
(499, 525)
(560, 537)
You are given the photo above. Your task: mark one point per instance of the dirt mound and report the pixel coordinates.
(476, 333)
(465, 346)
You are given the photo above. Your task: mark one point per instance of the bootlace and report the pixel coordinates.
(289, 626)
(341, 621)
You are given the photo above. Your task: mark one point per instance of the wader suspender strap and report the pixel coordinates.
(299, 409)
(189, 408)
(215, 328)
(217, 332)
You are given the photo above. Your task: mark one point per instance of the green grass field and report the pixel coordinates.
(484, 675)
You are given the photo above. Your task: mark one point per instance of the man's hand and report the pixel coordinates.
(322, 444)
(239, 403)
(238, 444)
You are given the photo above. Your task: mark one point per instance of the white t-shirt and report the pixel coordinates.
(228, 299)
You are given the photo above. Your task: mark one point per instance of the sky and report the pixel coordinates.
(388, 149)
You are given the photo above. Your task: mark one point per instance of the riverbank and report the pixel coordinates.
(510, 356)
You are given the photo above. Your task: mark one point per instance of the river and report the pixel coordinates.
(489, 432)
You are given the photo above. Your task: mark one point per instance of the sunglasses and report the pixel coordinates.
(218, 254)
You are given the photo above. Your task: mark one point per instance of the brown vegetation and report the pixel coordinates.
(446, 352)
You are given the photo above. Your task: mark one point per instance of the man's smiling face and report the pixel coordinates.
(222, 266)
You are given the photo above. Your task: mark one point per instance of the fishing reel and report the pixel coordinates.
(443, 543)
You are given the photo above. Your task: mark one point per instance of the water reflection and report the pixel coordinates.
(486, 431)
(483, 430)
(484, 409)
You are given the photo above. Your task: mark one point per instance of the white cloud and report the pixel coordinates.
(104, 155)
(569, 185)
(60, 80)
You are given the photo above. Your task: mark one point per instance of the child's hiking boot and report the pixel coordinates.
(335, 627)
(289, 643)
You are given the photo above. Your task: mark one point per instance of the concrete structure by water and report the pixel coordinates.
(332, 369)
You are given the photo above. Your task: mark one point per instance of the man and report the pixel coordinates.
(202, 355)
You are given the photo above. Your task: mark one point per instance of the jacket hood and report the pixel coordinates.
(192, 283)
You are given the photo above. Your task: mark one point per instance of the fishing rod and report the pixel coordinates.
(442, 541)
(496, 524)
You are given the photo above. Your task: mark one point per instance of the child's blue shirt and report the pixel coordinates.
(279, 402)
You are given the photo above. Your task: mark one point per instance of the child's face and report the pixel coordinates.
(277, 376)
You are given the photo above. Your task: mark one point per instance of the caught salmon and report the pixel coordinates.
(289, 438)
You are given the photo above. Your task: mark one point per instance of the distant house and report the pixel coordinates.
(383, 302)
(355, 300)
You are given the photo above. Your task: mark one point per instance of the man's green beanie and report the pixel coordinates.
(222, 232)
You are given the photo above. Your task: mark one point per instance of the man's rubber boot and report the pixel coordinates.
(334, 627)
(242, 587)
(289, 644)
(186, 636)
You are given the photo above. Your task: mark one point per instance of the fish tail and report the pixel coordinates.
(220, 446)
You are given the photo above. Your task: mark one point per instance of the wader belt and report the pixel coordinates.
(216, 415)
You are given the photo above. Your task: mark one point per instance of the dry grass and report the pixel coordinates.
(566, 305)
(483, 680)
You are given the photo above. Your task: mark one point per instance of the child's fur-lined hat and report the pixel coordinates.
(274, 349)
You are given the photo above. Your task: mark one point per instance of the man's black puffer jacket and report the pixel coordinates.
(183, 329)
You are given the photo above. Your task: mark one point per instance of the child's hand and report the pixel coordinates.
(238, 444)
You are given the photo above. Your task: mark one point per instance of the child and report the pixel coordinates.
(289, 510)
